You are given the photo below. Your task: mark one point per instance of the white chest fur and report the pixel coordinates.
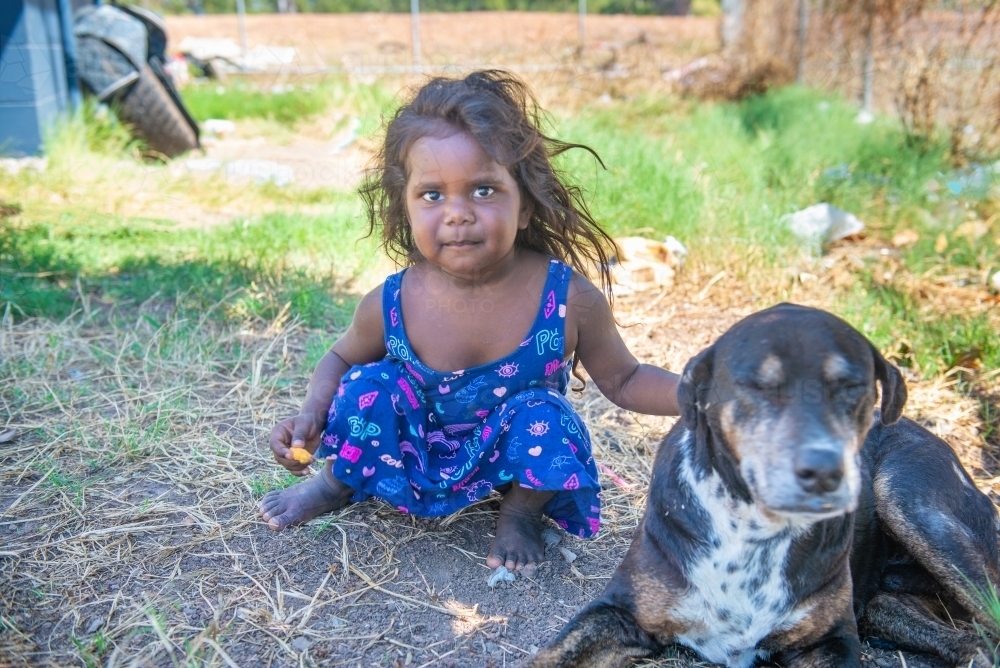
(737, 594)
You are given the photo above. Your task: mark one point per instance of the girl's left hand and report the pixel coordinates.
(300, 431)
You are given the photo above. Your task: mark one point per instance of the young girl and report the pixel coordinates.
(449, 382)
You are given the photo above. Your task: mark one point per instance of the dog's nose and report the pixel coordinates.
(819, 471)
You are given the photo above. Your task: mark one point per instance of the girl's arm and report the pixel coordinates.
(590, 326)
(363, 342)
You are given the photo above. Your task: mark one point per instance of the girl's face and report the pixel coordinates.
(464, 207)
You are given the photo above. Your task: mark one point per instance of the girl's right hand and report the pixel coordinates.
(300, 431)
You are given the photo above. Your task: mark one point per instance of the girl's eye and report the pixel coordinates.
(432, 196)
(484, 191)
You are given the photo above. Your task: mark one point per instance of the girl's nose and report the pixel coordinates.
(459, 212)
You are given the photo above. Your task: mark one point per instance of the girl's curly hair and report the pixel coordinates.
(499, 111)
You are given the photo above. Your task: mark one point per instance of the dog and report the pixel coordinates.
(786, 514)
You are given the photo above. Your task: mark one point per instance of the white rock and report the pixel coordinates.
(15, 166)
(219, 126)
(501, 574)
(260, 171)
(822, 223)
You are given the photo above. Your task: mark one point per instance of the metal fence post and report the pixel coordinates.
(241, 18)
(415, 31)
(800, 69)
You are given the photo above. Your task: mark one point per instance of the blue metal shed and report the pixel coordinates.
(37, 71)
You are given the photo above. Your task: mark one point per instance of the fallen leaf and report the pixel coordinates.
(501, 574)
(570, 557)
(7, 435)
(551, 537)
(967, 359)
(972, 230)
(905, 238)
(941, 244)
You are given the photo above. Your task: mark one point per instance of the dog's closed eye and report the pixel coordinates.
(849, 392)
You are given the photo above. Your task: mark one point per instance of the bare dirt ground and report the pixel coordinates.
(134, 449)
(129, 535)
(621, 55)
(515, 40)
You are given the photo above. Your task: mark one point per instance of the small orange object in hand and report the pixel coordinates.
(301, 455)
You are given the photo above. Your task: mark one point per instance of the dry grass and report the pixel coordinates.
(139, 452)
(133, 441)
(129, 492)
(936, 68)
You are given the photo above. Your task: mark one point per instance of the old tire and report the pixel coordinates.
(151, 111)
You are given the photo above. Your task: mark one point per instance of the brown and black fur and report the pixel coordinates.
(887, 534)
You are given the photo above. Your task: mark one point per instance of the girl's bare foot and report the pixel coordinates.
(300, 503)
(518, 544)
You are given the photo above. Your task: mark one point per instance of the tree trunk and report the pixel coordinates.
(800, 67)
(672, 7)
(733, 14)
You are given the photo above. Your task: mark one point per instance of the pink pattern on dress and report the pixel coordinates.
(550, 304)
(486, 432)
(572, 483)
(413, 372)
(393, 316)
(552, 367)
(595, 524)
(367, 399)
(350, 453)
(408, 391)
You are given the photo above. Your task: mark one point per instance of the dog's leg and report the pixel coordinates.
(839, 647)
(906, 620)
(838, 652)
(600, 636)
(930, 505)
(911, 579)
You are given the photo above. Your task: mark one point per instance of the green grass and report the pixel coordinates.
(730, 171)
(240, 101)
(91, 129)
(249, 269)
(720, 177)
(717, 176)
(263, 483)
(926, 341)
(286, 104)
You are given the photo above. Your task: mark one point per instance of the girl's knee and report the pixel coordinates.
(364, 386)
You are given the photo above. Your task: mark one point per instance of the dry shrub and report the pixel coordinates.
(935, 64)
(917, 98)
(759, 56)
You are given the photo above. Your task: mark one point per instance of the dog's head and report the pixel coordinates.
(788, 394)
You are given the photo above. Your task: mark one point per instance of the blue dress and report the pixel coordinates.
(432, 443)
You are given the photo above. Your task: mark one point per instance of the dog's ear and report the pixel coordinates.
(694, 385)
(893, 387)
